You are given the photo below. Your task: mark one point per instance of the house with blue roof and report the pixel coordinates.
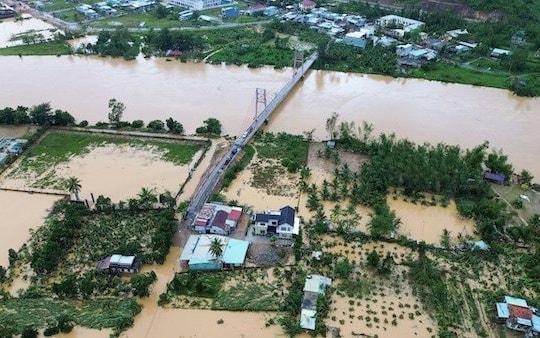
(282, 223)
(198, 256)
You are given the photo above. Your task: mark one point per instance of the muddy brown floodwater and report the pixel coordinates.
(20, 212)
(156, 89)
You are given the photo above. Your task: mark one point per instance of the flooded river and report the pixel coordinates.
(156, 89)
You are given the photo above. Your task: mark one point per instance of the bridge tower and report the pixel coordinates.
(260, 101)
(298, 60)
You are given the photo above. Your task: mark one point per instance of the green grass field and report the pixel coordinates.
(444, 72)
(511, 193)
(58, 147)
(44, 48)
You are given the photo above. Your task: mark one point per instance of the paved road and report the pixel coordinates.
(208, 185)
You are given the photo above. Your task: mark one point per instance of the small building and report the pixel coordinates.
(395, 20)
(281, 223)
(518, 315)
(494, 177)
(497, 53)
(219, 224)
(198, 256)
(404, 50)
(217, 219)
(460, 49)
(271, 11)
(384, 41)
(456, 33)
(307, 5)
(185, 15)
(230, 12)
(314, 286)
(197, 4)
(256, 9)
(357, 39)
(356, 20)
(117, 264)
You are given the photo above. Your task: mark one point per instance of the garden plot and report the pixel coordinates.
(243, 290)
(264, 185)
(20, 213)
(115, 167)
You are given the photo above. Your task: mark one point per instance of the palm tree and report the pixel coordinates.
(216, 248)
(73, 185)
(147, 198)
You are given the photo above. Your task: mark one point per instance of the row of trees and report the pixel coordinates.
(41, 114)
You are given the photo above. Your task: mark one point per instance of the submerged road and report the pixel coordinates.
(216, 173)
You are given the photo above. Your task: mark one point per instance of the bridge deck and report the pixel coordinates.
(208, 185)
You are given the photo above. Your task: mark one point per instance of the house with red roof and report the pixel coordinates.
(518, 315)
(307, 5)
(215, 218)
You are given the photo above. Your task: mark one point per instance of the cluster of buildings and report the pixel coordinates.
(217, 219)
(314, 286)
(10, 146)
(517, 315)
(112, 7)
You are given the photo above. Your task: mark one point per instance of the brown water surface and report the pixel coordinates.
(10, 27)
(156, 89)
(20, 212)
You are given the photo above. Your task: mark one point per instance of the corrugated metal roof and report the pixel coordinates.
(317, 283)
(515, 301)
(502, 310)
(235, 252)
(307, 319)
(536, 323)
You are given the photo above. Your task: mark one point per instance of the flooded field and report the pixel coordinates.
(11, 30)
(115, 171)
(427, 223)
(20, 213)
(173, 323)
(283, 191)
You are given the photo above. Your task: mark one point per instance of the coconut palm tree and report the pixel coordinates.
(147, 198)
(216, 248)
(74, 186)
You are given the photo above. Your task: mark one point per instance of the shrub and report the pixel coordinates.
(156, 125)
(137, 124)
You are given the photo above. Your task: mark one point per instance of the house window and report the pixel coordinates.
(273, 222)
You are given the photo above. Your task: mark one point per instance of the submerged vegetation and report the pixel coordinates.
(58, 147)
(63, 253)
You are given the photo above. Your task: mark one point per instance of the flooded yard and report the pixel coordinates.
(20, 213)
